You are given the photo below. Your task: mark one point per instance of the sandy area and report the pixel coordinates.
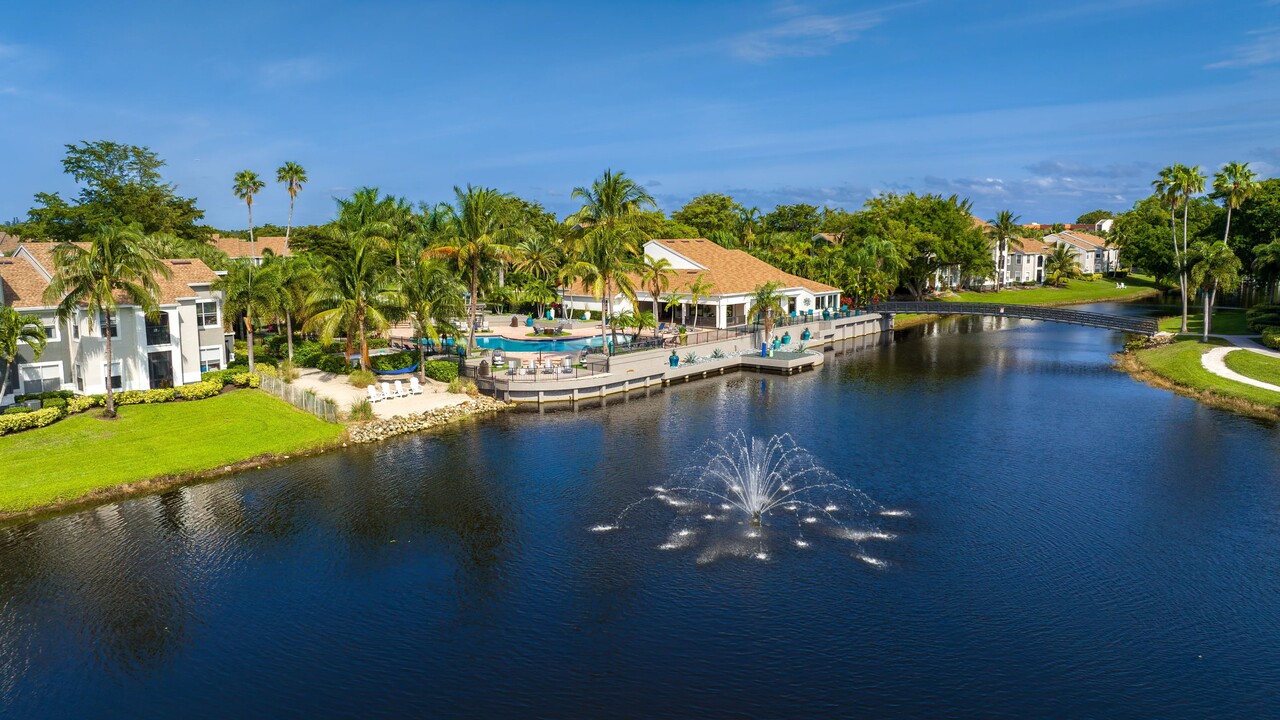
(434, 394)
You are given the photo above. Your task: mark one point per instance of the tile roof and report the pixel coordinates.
(1085, 237)
(21, 284)
(731, 272)
(8, 243)
(184, 273)
(42, 253)
(237, 248)
(1031, 246)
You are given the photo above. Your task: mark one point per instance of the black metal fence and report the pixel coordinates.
(1123, 323)
(676, 340)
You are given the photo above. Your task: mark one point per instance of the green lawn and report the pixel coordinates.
(1179, 362)
(1225, 322)
(1254, 365)
(1076, 291)
(83, 453)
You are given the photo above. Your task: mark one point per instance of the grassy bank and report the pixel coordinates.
(1177, 367)
(1076, 292)
(1225, 322)
(85, 455)
(1254, 365)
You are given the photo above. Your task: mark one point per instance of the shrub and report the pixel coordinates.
(307, 354)
(267, 370)
(717, 354)
(29, 420)
(362, 378)
(361, 409)
(460, 385)
(60, 394)
(378, 343)
(53, 402)
(1262, 317)
(1271, 338)
(287, 371)
(129, 397)
(335, 364)
(199, 391)
(690, 358)
(275, 345)
(258, 359)
(445, 371)
(246, 380)
(80, 403)
(98, 400)
(394, 361)
(17, 410)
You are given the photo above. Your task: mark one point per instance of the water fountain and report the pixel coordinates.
(739, 492)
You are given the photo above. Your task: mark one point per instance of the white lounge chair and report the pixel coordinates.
(414, 386)
(546, 366)
(386, 390)
(513, 367)
(374, 395)
(400, 391)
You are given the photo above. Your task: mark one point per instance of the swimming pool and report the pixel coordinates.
(548, 345)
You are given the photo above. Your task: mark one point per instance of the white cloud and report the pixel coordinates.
(1262, 49)
(800, 33)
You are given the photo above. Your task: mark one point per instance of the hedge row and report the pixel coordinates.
(1271, 338)
(442, 370)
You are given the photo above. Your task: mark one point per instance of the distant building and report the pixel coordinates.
(1092, 253)
(173, 348)
(261, 247)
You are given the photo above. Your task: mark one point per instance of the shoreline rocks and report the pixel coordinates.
(377, 430)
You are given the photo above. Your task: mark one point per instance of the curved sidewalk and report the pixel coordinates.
(1215, 361)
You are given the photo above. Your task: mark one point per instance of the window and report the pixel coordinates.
(79, 377)
(113, 329)
(50, 329)
(116, 375)
(40, 377)
(207, 314)
(210, 358)
(158, 329)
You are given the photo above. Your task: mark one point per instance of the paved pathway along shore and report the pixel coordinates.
(1215, 361)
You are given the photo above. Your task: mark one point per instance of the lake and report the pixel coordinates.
(1076, 544)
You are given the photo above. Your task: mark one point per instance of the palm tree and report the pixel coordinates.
(117, 266)
(433, 297)
(1266, 258)
(296, 277)
(699, 289)
(477, 238)
(18, 327)
(1216, 267)
(604, 261)
(766, 301)
(1167, 187)
(611, 199)
(655, 275)
(247, 185)
(748, 220)
(671, 301)
(1060, 265)
(539, 292)
(253, 292)
(1235, 183)
(357, 292)
(292, 176)
(1005, 230)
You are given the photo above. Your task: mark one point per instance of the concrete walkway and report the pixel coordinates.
(1215, 360)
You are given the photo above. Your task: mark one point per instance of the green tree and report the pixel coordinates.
(296, 276)
(700, 288)
(1060, 266)
(433, 297)
(1266, 260)
(118, 184)
(655, 275)
(710, 213)
(251, 292)
(16, 327)
(1004, 231)
(1234, 183)
(1093, 217)
(292, 176)
(477, 238)
(248, 184)
(1216, 267)
(612, 199)
(357, 292)
(605, 260)
(116, 266)
(766, 302)
(1168, 186)
(799, 218)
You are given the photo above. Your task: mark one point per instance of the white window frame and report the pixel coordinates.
(55, 337)
(101, 318)
(77, 377)
(22, 381)
(106, 374)
(222, 357)
(217, 313)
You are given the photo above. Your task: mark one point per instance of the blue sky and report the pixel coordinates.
(1047, 108)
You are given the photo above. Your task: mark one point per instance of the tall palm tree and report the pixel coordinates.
(292, 176)
(252, 292)
(766, 302)
(116, 267)
(358, 291)
(1216, 267)
(296, 276)
(1005, 229)
(655, 275)
(1167, 186)
(1266, 258)
(247, 185)
(18, 327)
(433, 297)
(611, 199)
(748, 221)
(477, 238)
(700, 289)
(1060, 265)
(1234, 183)
(605, 260)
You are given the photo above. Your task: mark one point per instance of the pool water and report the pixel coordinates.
(550, 345)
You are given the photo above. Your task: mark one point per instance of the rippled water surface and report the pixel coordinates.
(1077, 545)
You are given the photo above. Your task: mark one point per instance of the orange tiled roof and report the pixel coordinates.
(184, 273)
(21, 284)
(1084, 237)
(237, 248)
(8, 243)
(1031, 246)
(42, 253)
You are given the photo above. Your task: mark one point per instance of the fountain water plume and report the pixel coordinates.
(750, 479)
